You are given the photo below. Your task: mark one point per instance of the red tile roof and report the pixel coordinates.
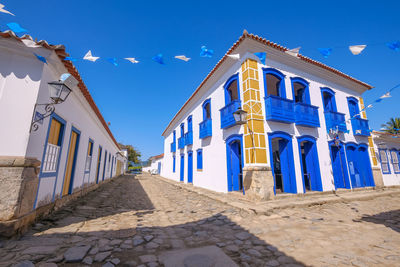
(270, 44)
(60, 51)
(157, 157)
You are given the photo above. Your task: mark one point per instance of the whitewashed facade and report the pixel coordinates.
(156, 165)
(265, 128)
(387, 149)
(24, 83)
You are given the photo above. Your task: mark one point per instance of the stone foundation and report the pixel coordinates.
(378, 179)
(258, 182)
(18, 187)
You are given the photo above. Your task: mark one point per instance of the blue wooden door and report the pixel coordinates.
(353, 108)
(354, 170)
(287, 168)
(235, 168)
(339, 167)
(190, 167)
(312, 163)
(159, 168)
(182, 167)
(365, 166)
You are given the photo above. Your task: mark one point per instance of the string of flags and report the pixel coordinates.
(208, 53)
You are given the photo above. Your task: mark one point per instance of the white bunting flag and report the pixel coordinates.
(357, 49)
(370, 106)
(234, 56)
(30, 43)
(387, 95)
(132, 60)
(2, 10)
(294, 52)
(183, 57)
(89, 57)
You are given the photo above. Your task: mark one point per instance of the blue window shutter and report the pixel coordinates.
(173, 166)
(199, 159)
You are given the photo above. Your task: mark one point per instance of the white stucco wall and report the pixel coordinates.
(23, 82)
(154, 165)
(214, 174)
(389, 144)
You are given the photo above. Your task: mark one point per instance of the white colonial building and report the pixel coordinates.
(156, 163)
(387, 150)
(298, 136)
(63, 153)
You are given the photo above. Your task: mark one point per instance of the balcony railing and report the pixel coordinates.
(279, 109)
(181, 142)
(335, 120)
(360, 126)
(189, 138)
(205, 128)
(306, 115)
(173, 147)
(227, 119)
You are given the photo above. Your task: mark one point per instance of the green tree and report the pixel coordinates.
(133, 154)
(392, 126)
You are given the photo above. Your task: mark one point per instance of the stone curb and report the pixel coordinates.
(269, 207)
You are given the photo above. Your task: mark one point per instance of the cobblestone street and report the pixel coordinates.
(132, 221)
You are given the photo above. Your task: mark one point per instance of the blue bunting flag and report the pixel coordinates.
(43, 59)
(204, 52)
(113, 61)
(262, 56)
(394, 45)
(15, 27)
(70, 59)
(159, 59)
(325, 52)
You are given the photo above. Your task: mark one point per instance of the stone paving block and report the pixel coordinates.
(197, 257)
(76, 254)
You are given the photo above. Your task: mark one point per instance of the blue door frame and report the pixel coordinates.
(311, 162)
(286, 161)
(104, 167)
(182, 174)
(234, 159)
(359, 165)
(190, 166)
(339, 166)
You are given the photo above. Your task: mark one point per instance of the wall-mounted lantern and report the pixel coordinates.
(58, 92)
(240, 116)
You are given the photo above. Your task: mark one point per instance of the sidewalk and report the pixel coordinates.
(237, 200)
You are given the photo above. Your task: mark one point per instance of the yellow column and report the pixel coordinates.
(370, 141)
(254, 134)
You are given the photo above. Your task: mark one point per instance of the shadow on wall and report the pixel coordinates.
(136, 240)
(390, 219)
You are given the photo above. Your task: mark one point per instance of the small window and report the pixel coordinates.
(207, 110)
(173, 163)
(199, 160)
(384, 161)
(53, 147)
(89, 156)
(273, 85)
(395, 161)
(233, 91)
(299, 92)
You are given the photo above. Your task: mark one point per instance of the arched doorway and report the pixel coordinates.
(339, 166)
(309, 164)
(234, 162)
(281, 151)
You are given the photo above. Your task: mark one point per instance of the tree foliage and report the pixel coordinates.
(392, 126)
(133, 154)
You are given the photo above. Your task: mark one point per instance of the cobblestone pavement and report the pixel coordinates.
(130, 221)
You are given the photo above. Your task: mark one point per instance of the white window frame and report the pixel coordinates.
(51, 158)
(384, 162)
(395, 160)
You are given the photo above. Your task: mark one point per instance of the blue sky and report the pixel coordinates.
(139, 100)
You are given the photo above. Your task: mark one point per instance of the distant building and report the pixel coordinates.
(60, 155)
(156, 164)
(387, 150)
(297, 137)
